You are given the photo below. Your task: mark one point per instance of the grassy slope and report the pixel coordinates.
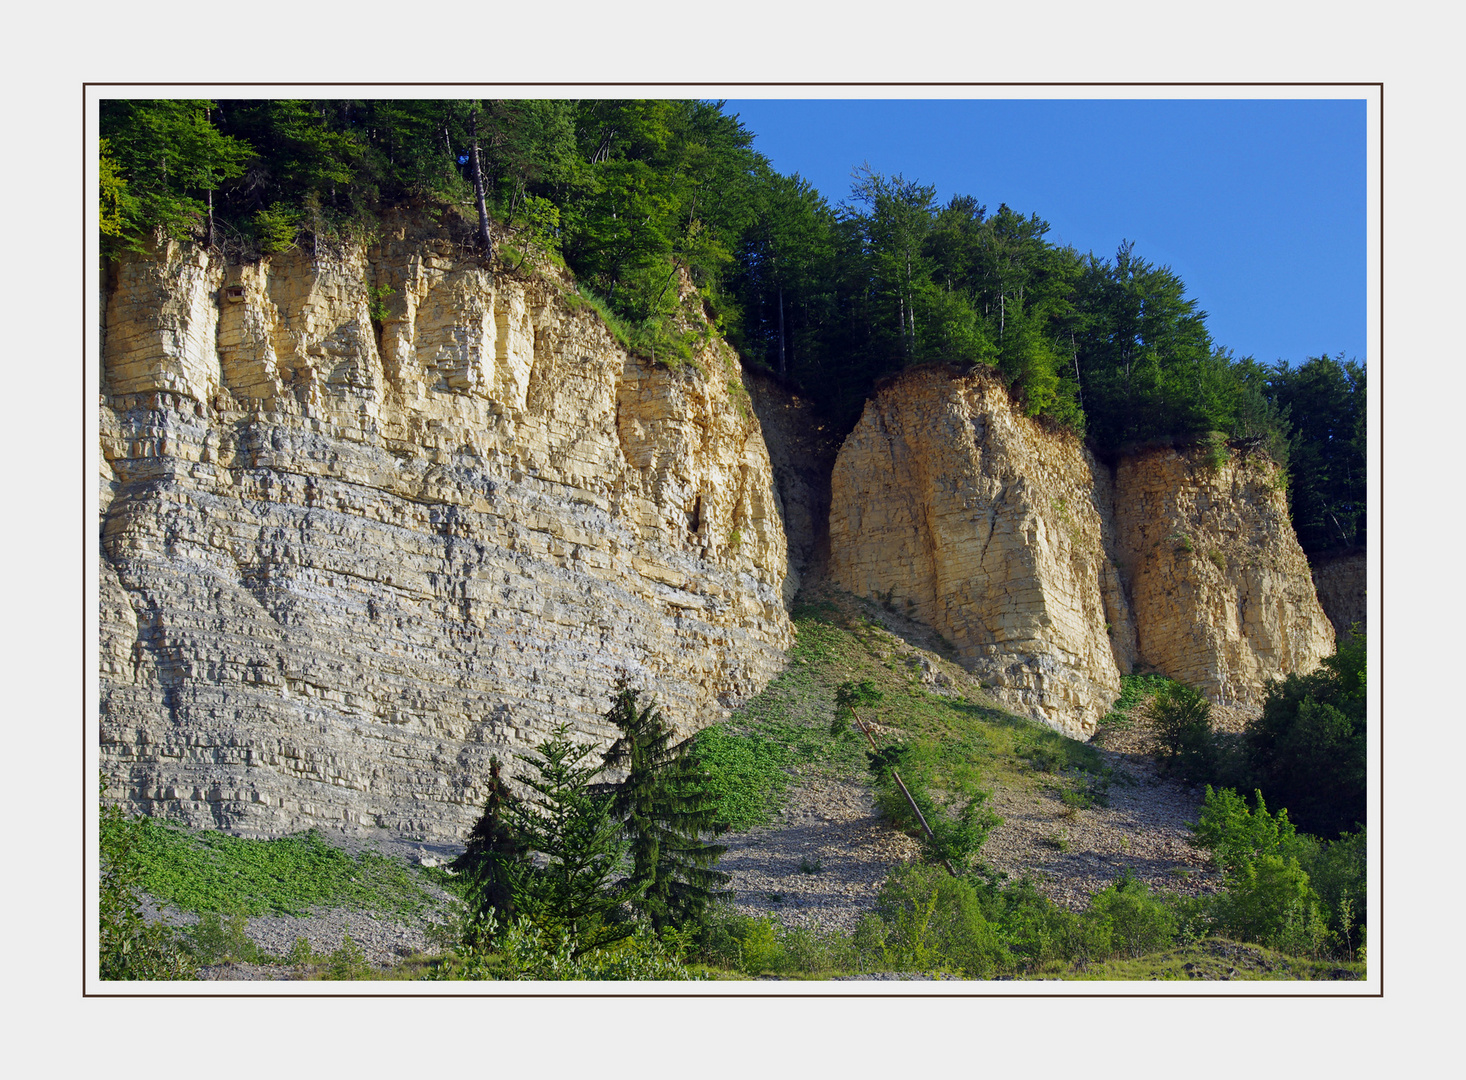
(960, 739)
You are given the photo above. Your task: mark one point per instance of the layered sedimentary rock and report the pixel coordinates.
(1051, 575)
(369, 517)
(948, 503)
(1340, 579)
(1222, 594)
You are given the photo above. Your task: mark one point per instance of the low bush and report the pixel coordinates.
(1308, 748)
(130, 947)
(959, 826)
(931, 921)
(1183, 735)
(523, 951)
(1133, 919)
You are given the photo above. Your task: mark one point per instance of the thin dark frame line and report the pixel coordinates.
(87, 459)
(722, 84)
(1380, 539)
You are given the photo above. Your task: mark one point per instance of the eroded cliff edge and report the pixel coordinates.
(1053, 576)
(371, 516)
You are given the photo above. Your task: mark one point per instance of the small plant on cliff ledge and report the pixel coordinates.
(377, 309)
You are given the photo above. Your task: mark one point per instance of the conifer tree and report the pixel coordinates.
(665, 809)
(495, 864)
(568, 819)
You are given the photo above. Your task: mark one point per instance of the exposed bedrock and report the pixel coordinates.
(1051, 576)
(370, 517)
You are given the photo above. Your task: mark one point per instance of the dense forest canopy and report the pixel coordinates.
(831, 298)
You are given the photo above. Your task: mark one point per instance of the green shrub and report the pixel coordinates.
(221, 939)
(275, 228)
(1269, 901)
(1134, 689)
(959, 827)
(745, 773)
(1337, 872)
(1135, 920)
(347, 962)
(1308, 748)
(1236, 836)
(1037, 932)
(130, 948)
(932, 921)
(1182, 719)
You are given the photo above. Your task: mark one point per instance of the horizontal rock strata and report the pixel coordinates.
(369, 517)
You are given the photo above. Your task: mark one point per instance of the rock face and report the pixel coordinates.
(1051, 576)
(372, 516)
(1222, 593)
(1341, 580)
(951, 505)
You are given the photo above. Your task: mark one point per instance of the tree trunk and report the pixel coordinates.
(478, 188)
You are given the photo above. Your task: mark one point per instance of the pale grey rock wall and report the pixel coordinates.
(345, 561)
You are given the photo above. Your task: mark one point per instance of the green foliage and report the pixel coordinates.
(164, 160)
(745, 774)
(274, 228)
(377, 307)
(1131, 917)
(666, 806)
(760, 946)
(935, 922)
(1269, 900)
(526, 951)
(1182, 719)
(212, 872)
(347, 962)
(1235, 835)
(1134, 689)
(495, 864)
(1324, 400)
(568, 819)
(1269, 897)
(131, 948)
(221, 939)
(959, 826)
(1308, 748)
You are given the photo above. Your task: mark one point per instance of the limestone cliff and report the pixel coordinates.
(951, 505)
(372, 515)
(1222, 593)
(1051, 576)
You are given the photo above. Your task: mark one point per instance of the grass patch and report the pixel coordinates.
(1215, 959)
(209, 872)
(1134, 690)
(953, 742)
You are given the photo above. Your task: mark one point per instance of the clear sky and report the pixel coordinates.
(1259, 206)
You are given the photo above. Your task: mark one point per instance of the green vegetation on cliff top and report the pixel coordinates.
(630, 193)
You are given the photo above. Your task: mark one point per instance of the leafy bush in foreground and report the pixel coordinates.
(130, 948)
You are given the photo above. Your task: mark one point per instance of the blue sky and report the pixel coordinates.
(1259, 206)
